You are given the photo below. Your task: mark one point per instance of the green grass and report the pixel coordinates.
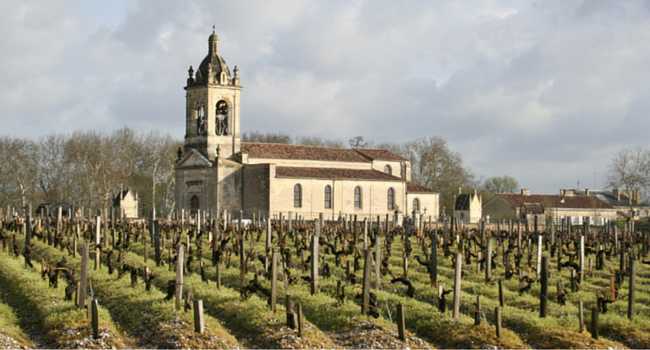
(10, 326)
(45, 308)
(145, 314)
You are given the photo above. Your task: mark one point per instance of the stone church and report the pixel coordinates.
(216, 171)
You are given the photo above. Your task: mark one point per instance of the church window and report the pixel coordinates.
(416, 205)
(388, 170)
(391, 199)
(297, 196)
(358, 204)
(328, 197)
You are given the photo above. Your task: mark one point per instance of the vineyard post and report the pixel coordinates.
(291, 316)
(301, 321)
(518, 235)
(365, 234)
(377, 262)
(242, 262)
(146, 249)
(219, 277)
(179, 276)
(401, 322)
(540, 245)
(581, 315)
(156, 242)
(488, 260)
(269, 234)
(594, 322)
(58, 220)
(632, 289)
(497, 311)
(457, 280)
(314, 262)
(433, 260)
(543, 298)
(290, 224)
(477, 312)
(274, 279)
(365, 301)
(28, 231)
(105, 228)
(199, 319)
(84, 275)
(405, 261)
(501, 299)
(582, 258)
(95, 319)
(98, 227)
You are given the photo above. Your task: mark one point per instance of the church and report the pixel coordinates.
(215, 171)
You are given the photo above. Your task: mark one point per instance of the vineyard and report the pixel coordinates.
(101, 283)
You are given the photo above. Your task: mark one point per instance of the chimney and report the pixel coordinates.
(617, 194)
(586, 191)
(569, 193)
(562, 192)
(525, 192)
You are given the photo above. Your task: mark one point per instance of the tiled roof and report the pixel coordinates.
(554, 201)
(412, 187)
(379, 154)
(286, 151)
(333, 173)
(462, 202)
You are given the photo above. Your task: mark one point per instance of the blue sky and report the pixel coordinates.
(544, 91)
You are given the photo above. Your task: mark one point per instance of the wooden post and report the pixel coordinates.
(457, 275)
(632, 289)
(274, 279)
(291, 315)
(488, 260)
(501, 299)
(365, 301)
(497, 311)
(219, 277)
(84, 276)
(581, 315)
(594, 323)
(543, 297)
(377, 262)
(314, 264)
(433, 259)
(199, 320)
(242, 263)
(477, 312)
(401, 322)
(582, 260)
(179, 276)
(301, 321)
(95, 319)
(540, 245)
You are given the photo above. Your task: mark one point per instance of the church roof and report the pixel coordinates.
(412, 187)
(463, 201)
(286, 151)
(379, 154)
(334, 173)
(300, 152)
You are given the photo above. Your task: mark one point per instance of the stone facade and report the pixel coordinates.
(216, 171)
(468, 207)
(126, 204)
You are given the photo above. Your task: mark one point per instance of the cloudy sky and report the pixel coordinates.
(543, 91)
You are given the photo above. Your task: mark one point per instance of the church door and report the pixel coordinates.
(195, 204)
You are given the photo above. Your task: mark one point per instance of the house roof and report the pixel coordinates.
(462, 201)
(412, 187)
(333, 173)
(300, 152)
(555, 201)
(608, 197)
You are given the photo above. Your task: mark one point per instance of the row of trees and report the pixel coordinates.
(88, 168)
(629, 170)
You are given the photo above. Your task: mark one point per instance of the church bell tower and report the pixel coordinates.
(212, 106)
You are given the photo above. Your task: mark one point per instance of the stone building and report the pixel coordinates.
(554, 207)
(216, 171)
(468, 207)
(126, 204)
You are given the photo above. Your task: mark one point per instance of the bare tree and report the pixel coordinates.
(21, 165)
(630, 171)
(256, 136)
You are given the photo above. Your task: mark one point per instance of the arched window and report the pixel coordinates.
(358, 204)
(297, 196)
(391, 199)
(416, 205)
(328, 197)
(388, 170)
